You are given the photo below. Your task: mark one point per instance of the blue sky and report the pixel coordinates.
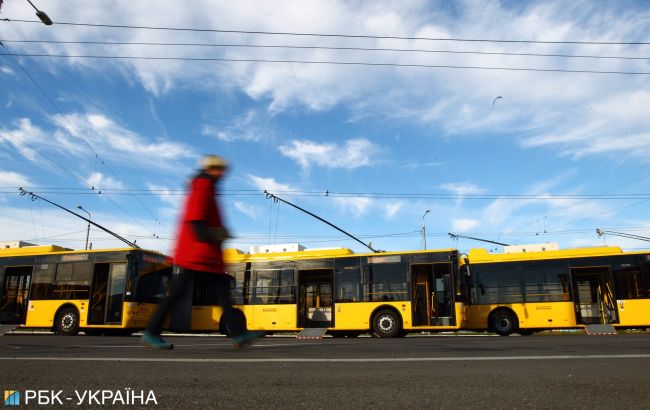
(557, 156)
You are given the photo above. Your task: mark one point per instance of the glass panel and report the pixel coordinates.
(116, 292)
(241, 290)
(347, 280)
(385, 282)
(627, 284)
(487, 286)
(509, 286)
(64, 271)
(274, 286)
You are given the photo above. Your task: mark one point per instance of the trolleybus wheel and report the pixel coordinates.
(503, 322)
(67, 322)
(387, 323)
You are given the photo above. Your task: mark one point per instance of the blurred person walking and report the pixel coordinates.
(198, 253)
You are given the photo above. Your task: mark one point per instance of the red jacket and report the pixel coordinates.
(200, 205)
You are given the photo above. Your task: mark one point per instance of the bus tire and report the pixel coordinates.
(386, 323)
(66, 322)
(237, 316)
(503, 322)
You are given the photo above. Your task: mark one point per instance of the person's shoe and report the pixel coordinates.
(155, 341)
(246, 339)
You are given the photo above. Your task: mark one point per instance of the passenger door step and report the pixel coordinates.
(596, 330)
(312, 333)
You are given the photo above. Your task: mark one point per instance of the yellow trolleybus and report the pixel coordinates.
(533, 289)
(387, 294)
(112, 291)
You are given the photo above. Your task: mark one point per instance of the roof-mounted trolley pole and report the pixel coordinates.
(276, 199)
(454, 236)
(34, 197)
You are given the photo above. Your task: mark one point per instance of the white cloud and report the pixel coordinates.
(617, 125)
(391, 209)
(354, 153)
(13, 179)
(250, 127)
(7, 70)
(25, 138)
(101, 181)
(270, 184)
(458, 101)
(74, 133)
(166, 195)
(462, 189)
(358, 206)
(104, 135)
(463, 225)
(247, 209)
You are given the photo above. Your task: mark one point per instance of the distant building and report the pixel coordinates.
(286, 247)
(15, 244)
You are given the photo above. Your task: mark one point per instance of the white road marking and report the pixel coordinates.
(317, 360)
(226, 344)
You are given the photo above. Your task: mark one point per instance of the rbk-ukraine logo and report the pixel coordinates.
(12, 398)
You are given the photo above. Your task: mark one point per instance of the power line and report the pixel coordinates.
(41, 154)
(331, 35)
(332, 48)
(47, 97)
(334, 194)
(331, 62)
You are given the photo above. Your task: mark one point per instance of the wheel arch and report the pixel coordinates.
(384, 307)
(499, 309)
(61, 308)
(64, 306)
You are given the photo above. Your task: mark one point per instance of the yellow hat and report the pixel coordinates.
(213, 161)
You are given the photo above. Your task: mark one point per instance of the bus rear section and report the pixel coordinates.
(97, 292)
(555, 289)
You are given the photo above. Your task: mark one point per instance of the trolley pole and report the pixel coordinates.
(424, 230)
(87, 228)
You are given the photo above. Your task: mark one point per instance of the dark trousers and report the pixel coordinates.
(233, 321)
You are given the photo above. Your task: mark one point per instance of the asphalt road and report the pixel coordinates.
(573, 371)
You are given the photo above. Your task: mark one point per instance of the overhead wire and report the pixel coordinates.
(342, 194)
(330, 35)
(331, 62)
(47, 97)
(330, 48)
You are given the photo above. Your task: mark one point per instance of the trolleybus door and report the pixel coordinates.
(432, 295)
(315, 298)
(107, 293)
(594, 300)
(14, 296)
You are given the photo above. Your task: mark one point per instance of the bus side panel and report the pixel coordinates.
(274, 317)
(356, 315)
(540, 315)
(137, 315)
(530, 315)
(634, 312)
(40, 313)
(206, 318)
